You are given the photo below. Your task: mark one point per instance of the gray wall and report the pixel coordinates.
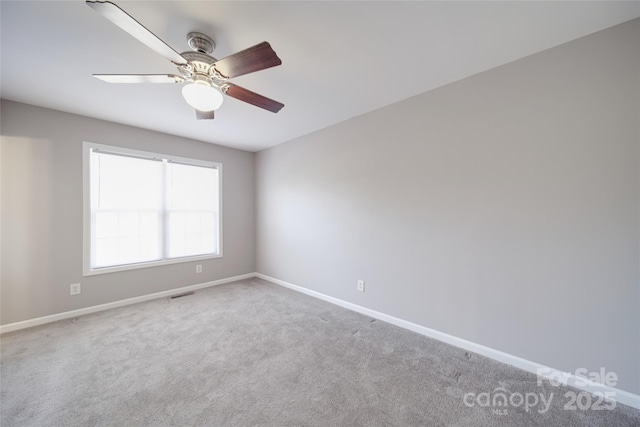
(503, 209)
(41, 178)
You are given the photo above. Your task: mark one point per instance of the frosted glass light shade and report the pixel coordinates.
(201, 96)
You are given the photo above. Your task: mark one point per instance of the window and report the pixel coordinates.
(144, 209)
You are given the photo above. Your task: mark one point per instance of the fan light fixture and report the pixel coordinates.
(201, 96)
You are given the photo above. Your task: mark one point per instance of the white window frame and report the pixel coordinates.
(86, 203)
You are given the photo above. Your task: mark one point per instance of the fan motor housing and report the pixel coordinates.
(200, 68)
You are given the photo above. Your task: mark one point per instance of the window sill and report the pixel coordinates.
(94, 272)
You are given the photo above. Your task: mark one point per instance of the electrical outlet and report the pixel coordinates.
(361, 285)
(199, 268)
(75, 289)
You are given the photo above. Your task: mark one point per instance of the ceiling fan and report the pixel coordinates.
(204, 78)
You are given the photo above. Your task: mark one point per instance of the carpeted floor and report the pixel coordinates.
(252, 353)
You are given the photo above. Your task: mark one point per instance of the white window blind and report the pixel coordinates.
(145, 208)
(192, 206)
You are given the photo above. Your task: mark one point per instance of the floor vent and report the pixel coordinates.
(181, 295)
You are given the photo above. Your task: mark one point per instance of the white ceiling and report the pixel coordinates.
(340, 59)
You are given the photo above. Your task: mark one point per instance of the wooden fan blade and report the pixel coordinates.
(246, 61)
(253, 98)
(123, 20)
(139, 78)
(204, 115)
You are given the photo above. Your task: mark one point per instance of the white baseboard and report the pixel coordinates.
(573, 380)
(93, 309)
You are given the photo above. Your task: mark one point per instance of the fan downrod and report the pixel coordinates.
(201, 43)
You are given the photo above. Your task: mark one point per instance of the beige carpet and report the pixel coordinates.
(252, 353)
